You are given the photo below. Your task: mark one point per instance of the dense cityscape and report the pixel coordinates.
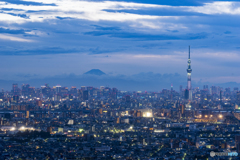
(59, 123)
(105, 123)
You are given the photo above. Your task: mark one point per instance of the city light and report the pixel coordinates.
(148, 114)
(12, 129)
(22, 128)
(220, 116)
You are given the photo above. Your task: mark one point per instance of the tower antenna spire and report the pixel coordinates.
(189, 53)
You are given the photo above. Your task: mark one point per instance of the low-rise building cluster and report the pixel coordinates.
(90, 123)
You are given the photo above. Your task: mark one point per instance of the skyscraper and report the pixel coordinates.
(85, 95)
(238, 97)
(15, 90)
(189, 71)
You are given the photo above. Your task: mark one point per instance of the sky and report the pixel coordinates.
(134, 39)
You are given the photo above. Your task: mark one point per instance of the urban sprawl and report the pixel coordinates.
(105, 123)
(90, 123)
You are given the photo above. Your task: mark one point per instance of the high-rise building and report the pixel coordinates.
(114, 93)
(221, 96)
(49, 129)
(27, 114)
(100, 111)
(25, 88)
(58, 88)
(118, 120)
(186, 94)
(93, 128)
(180, 89)
(15, 89)
(235, 89)
(85, 95)
(182, 109)
(16, 98)
(90, 91)
(39, 103)
(139, 114)
(237, 142)
(205, 87)
(128, 98)
(238, 98)
(83, 88)
(189, 71)
(73, 91)
(2, 94)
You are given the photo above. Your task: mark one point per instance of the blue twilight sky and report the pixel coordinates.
(47, 38)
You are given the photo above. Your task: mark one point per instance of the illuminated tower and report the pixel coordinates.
(189, 71)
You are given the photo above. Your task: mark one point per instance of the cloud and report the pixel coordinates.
(142, 36)
(7, 18)
(39, 51)
(74, 9)
(12, 38)
(40, 10)
(11, 31)
(227, 32)
(106, 28)
(232, 8)
(29, 3)
(167, 2)
(98, 50)
(164, 11)
(123, 37)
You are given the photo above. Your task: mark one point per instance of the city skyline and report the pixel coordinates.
(106, 123)
(95, 75)
(42, 39)
(112, 79)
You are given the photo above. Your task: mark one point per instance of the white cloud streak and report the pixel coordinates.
(232, 8)
(13, 38)
(96, 11)
(93, 11)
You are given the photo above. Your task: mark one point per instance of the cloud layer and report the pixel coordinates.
(52, 37)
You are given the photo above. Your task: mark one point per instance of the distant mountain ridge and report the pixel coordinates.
(97, 72)
(137, 82)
